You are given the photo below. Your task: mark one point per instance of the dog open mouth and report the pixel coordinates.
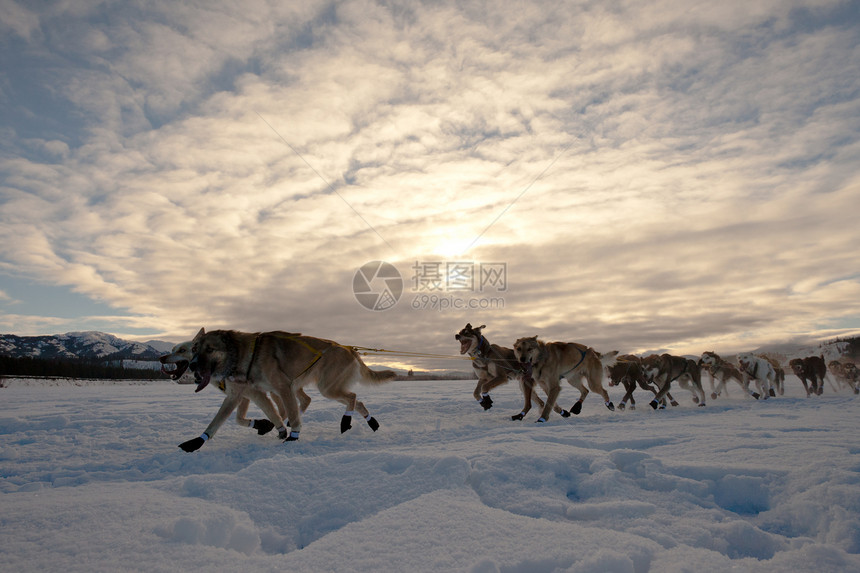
(527, 367)
(174, 369)
(465, 344)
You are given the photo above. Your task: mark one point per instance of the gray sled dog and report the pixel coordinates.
(494, 365)
(282, 363)
(175, 363)
(629, 372)
(548, 362)
(663, 369)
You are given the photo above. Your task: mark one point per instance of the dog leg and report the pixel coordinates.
(583, 392)
(527, 387)
(491, 384)
(661, 392)
(242, 412)
(266, 404)
(304, 400)
(551, 398)
(293, 416)
(371, 421)
(715, 392)
(629, 386)
(596, 386)
(481, 396)
(227, 406)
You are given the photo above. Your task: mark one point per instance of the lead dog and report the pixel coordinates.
(175, 363)
(548, 362)
(494, 365)
(282, 363)
(663, 369)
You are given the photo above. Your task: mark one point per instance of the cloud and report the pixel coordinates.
(653, 177)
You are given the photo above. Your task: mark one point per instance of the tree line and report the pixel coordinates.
(73, 368)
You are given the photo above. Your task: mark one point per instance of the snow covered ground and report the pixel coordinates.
(91, 480)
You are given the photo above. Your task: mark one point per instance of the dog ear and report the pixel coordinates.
(200, 333)
(478, 330)
(468, 326)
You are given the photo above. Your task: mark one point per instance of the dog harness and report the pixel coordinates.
(295, 338)
(684, 371)
(584, 353)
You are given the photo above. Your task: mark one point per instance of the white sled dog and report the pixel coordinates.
(548, 362)
(281, 363)
(760, 370)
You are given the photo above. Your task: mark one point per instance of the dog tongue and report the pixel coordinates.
(202, 381)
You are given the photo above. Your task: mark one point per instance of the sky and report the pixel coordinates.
(640, 176)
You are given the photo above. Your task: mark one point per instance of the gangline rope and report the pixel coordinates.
(365, 351)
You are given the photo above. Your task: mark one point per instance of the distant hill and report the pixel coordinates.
(844, 349)
(95, 346)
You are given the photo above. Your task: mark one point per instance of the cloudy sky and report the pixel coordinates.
(638, 175)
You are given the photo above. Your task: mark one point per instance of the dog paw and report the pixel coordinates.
(611, 406)
(518, 417)
(714, 395)
(374, 425)
(565, 414)
(756, 395)
(486, 402)
(702, 405)
(263, 426)
(540, 420)
(192, 445)
(772, 393)
(654, 404)
(622, 406)
(345, 423)
(674, 404)
(294, 436)
(576, 408)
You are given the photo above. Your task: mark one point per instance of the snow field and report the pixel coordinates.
(91, 479)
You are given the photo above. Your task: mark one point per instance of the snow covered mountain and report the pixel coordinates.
(81, 345)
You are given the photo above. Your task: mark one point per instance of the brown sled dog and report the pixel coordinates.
(281, 363)
(549, 362)
(722, 370)
(494, 365)
(175, 363)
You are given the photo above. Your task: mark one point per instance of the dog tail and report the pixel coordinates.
(608, 359)
(369, 376)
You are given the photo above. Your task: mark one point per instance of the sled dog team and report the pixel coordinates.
(271, 369)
